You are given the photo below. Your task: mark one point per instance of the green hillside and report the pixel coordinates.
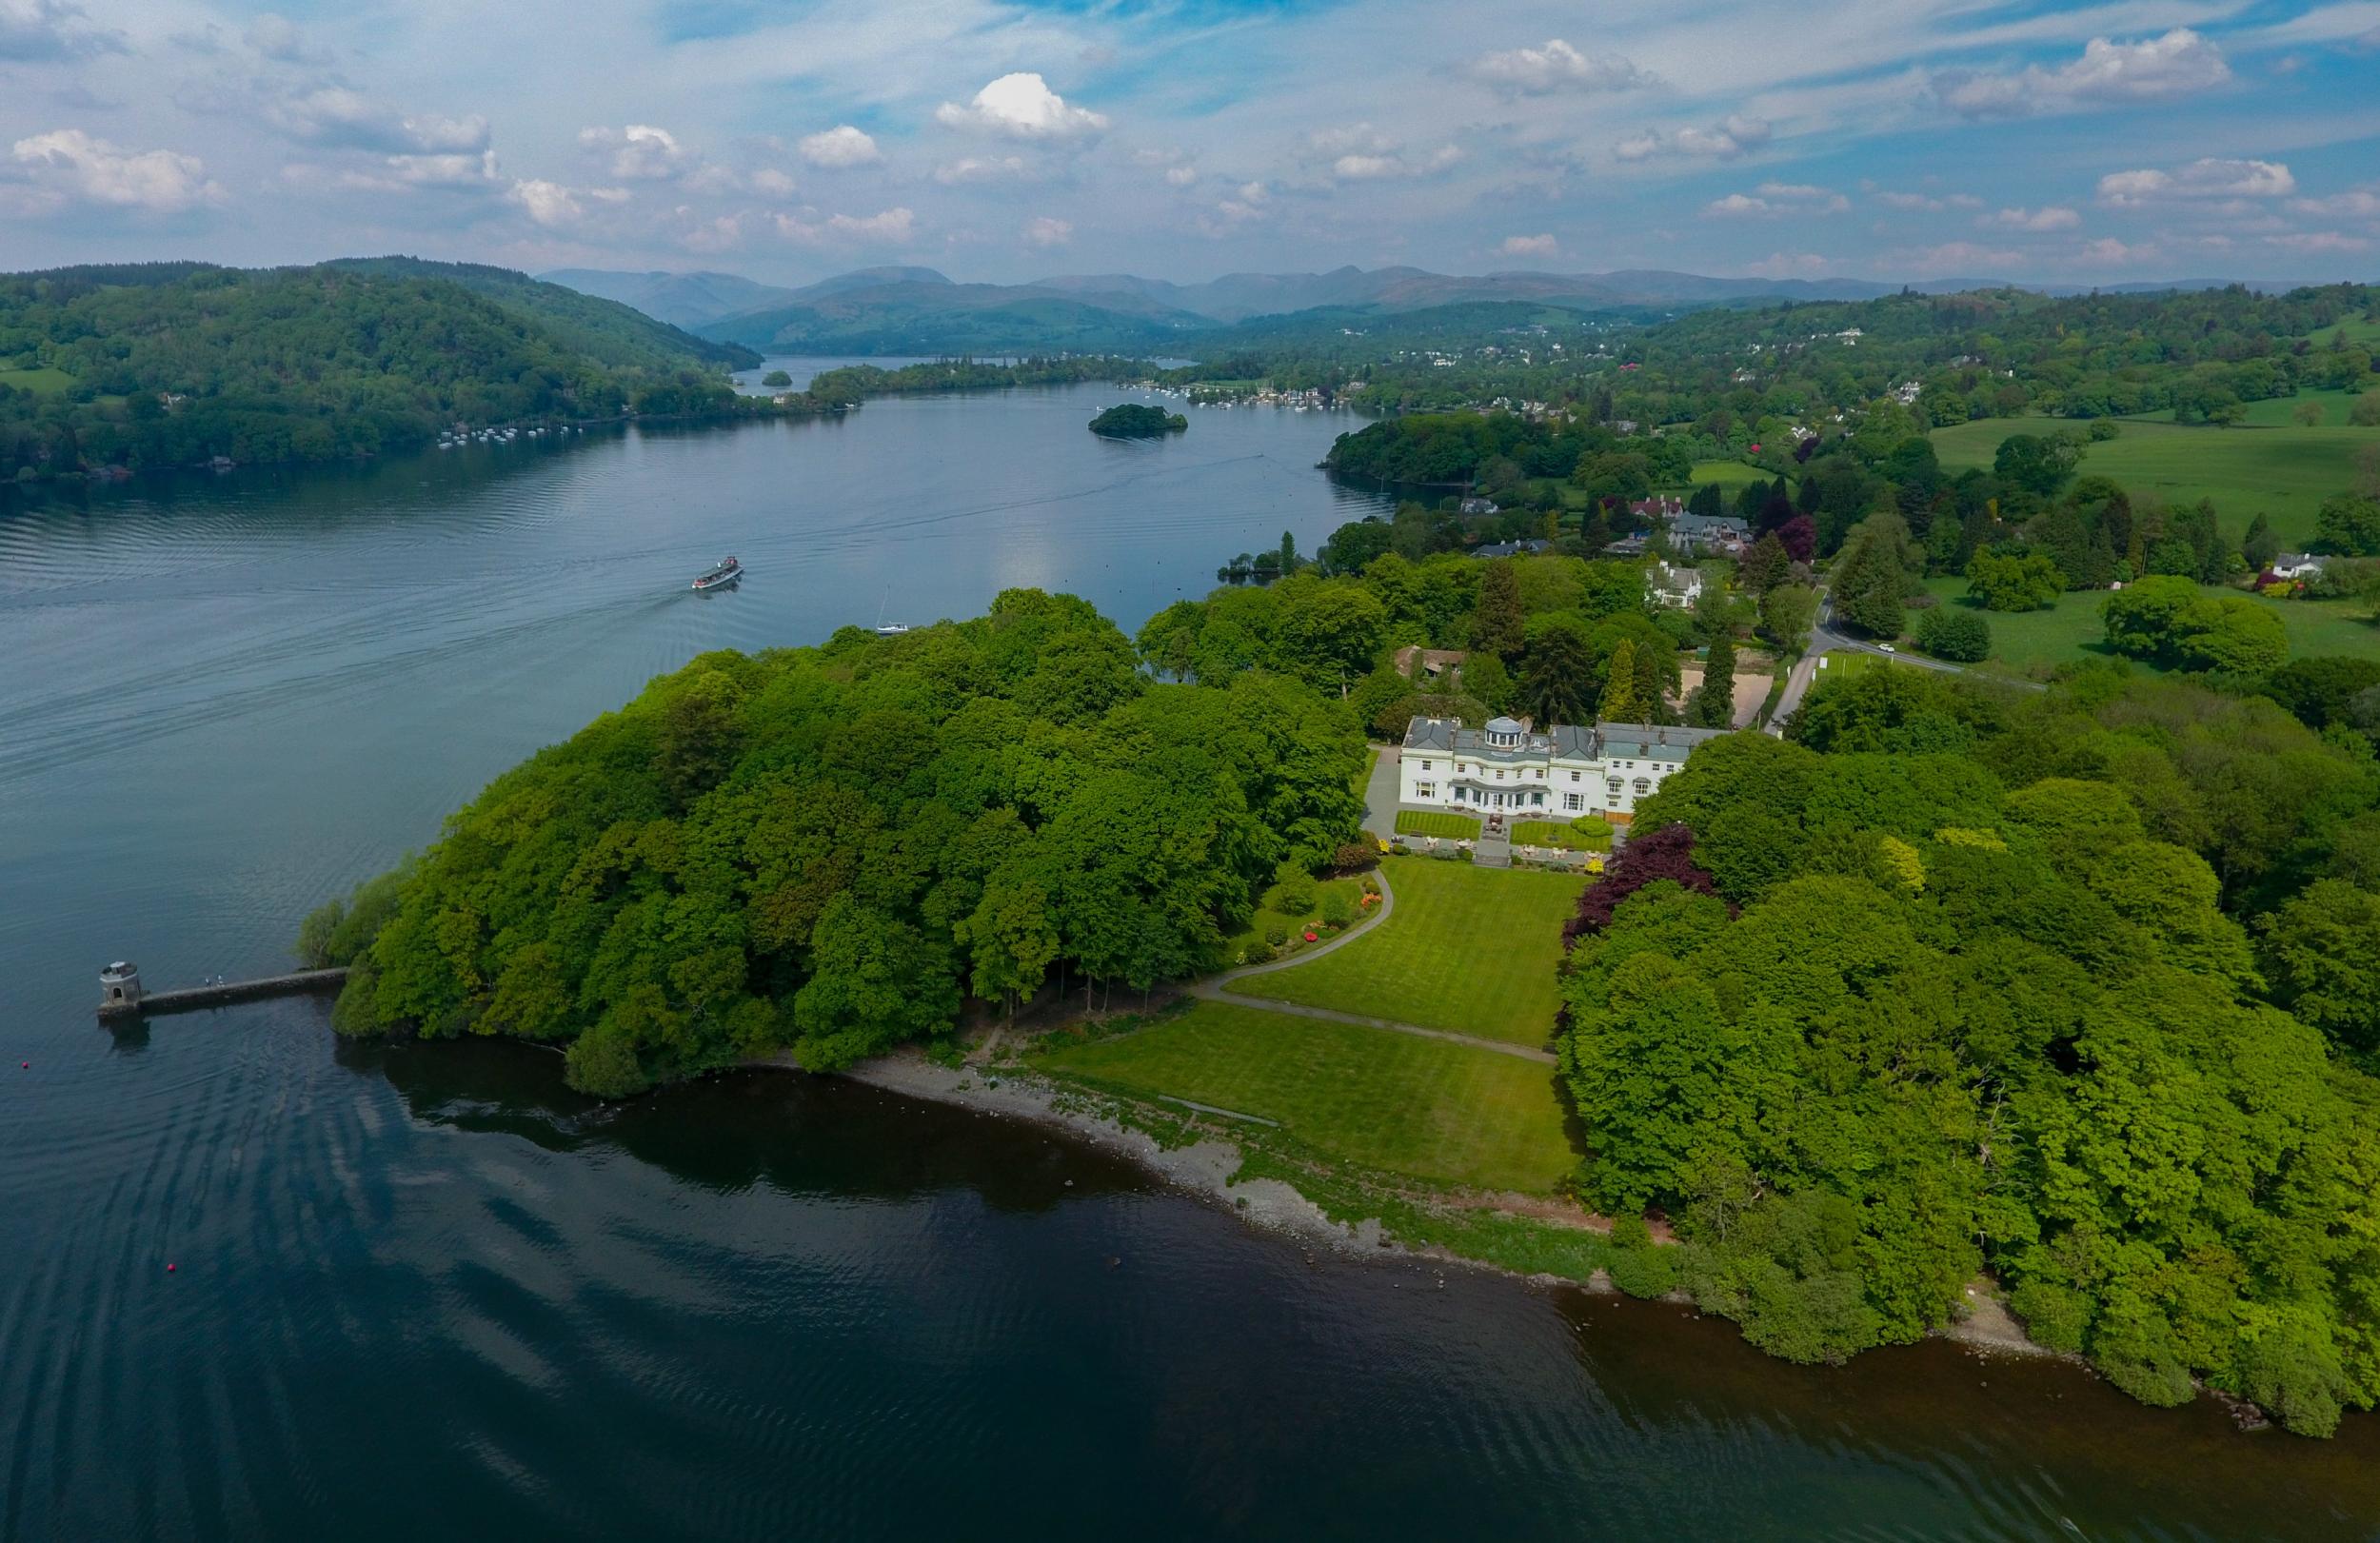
(174, 364)
(2284, 471)
(601, 330)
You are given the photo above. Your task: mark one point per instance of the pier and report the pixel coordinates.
(122, 996)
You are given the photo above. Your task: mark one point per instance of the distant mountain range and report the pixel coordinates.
(918, 310)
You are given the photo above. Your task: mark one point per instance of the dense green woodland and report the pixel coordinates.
(1133, 421)
(1736, 376)
(2081, 989)
(176, 364)
(832, 849)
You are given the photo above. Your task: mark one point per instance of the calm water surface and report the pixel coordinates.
(426, 1289)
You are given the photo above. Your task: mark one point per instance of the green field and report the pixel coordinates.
(2071, 628)
(42, 381)
(1431, 822)
(2283, 473)
(1727, 473)
(1589, 833)
(1467, 949)
(2360, 329)
(1440, 1111)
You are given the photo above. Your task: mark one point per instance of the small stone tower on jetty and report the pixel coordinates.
(120, 987)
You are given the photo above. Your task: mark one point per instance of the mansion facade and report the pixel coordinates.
(1559, 773)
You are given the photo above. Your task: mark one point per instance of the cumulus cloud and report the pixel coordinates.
(1554, 65)
(839, 147)
(2206, 178)
(336, 116)
(2355, 203)
(2107, 250)
(1172, 165)
(2319, 241)
(1249, 204)
(1964, 259)
(2047, 217)
(68, 164)
(893, 226)
(979, 169)
(639, 152)
(1538, 246)
(1774, 198)
(1789, 266)
(2179, 64)
(1021, 105)
(1925, 202)
(42, 32)
(1046, 232)
(548, 203)
(1723, 141)
(278, 38)
(1358, 153)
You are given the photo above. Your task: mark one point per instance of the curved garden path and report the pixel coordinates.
(1218, 988)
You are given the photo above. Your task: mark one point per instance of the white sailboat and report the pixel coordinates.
(884, 628)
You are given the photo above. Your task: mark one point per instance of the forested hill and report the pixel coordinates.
(603, 329)
(173, 364)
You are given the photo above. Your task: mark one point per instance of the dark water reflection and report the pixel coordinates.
(426, 1289)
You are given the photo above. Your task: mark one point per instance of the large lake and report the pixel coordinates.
(425, 1291)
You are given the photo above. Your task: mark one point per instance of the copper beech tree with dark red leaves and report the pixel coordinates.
(1666, 853)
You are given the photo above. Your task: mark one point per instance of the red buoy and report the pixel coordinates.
(170, 1269)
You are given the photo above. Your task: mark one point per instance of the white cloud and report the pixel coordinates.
(278, 38)
(2179, 64)
(839, 147)
(38, 31)
(69, 163)
(771, 183)
(2354, 204)
(1723, 141)
(1358, 153)
(1789, 266)
(2107, 250)
(547, 203)
(1773, 198)
(1925, 202)
(2320, 241)
(1540, 245)
(979, 169)
(2207, 178)
(1962, 259)
(1021, 105)
(1181, 176)
(1554, 65)
(1045, 232)
(640, 153)
(341, 117)
(2047, 217)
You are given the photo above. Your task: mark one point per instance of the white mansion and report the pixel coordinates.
(1559, 774)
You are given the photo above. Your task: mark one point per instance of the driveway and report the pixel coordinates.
(1380, 794)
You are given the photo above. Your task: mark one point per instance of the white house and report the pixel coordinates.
(1559, 773)
(1677, 588)
(2296, 565)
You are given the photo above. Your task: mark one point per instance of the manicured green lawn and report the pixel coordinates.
(1441, 1112)
(2071, 628)
(1428, 823)
(43, 379)
(1727, 473)
(1584, 835)
(1468, 949)
(2283, 472)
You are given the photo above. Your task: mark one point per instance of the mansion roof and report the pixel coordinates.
(1560, 742)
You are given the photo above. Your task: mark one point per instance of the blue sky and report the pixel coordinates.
(791, 139)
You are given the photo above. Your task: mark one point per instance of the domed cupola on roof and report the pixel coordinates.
(1504, 733)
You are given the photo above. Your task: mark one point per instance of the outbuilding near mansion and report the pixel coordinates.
(1557, 773)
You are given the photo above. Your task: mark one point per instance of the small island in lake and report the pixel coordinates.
(1128, 421)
